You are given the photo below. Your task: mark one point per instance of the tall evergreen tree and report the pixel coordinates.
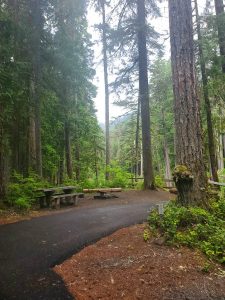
(36, 32)
(211, 139)
(220, 14)
(131, 41)
(189, 147)
(162, 116)
(102, 5)
(144, 96)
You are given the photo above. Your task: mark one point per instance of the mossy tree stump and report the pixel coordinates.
(183, 179)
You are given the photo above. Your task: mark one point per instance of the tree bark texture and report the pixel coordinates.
(144, 96)
(61, 166)
(31, 139)
(96, 160)
(36, 77)
(220, 151)
(2, 158)
(168, 174)
(219, 6)
(18, 125)
(189, 145)
(69, 166)
(15, 139)
(77, 157)
(137, 140)
(211, 139)
(105, 63)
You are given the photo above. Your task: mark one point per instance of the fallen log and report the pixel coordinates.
(103, 190)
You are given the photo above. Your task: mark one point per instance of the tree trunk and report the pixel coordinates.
(2, 158)
(61, 166)
(31, 140)
(77, 142)
(220, 151)
(77, 157)
(36, 77)
(211, 140)
(168, 174)
(15, 144)
(144, 96)
(223, 139)
(15, 134)
(219, 6)
(68, 151)
(137, 141)
(96, 160)
(105, 62)
(189, 145)
(141, 166)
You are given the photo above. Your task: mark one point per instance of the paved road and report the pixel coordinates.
(29, 249)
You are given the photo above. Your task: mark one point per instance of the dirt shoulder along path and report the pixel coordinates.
(124, 266)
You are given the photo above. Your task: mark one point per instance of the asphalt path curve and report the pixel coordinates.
(29, 249)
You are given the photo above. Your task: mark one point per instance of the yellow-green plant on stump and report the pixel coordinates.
(183, 179)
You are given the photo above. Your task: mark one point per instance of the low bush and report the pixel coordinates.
(159, 182)
(193, 227)
(119, 177)
(139, 185)
(23, 203)
(21, 191)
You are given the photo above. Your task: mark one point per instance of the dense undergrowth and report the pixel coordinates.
(22, 192)
(193, 227)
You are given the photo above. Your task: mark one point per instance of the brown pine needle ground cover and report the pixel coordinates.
(124, 266)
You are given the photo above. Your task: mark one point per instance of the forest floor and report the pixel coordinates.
(8, 216)
(124, 266)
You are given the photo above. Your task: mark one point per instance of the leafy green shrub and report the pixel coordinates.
(22, 191)
(218, 208)
(118, 176)
(193, 227)
(69, 181)
(90, 183)
(139, 185)
(146, 235)
(159, 182)
(22, 203)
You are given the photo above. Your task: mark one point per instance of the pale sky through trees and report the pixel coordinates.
(161, 25)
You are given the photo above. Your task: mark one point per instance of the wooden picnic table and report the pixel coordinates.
(49, 194)
(45, 200)
(68, 189)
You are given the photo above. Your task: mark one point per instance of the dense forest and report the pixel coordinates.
(112, 149)
(49, 132)
(48, 125)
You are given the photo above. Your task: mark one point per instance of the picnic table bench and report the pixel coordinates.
(55, 200)
(103, 193)
(65, 199)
